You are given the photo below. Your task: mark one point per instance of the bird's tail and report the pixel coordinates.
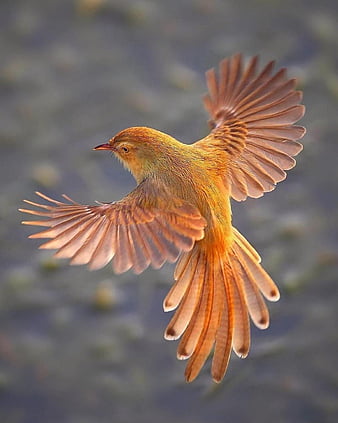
(214, 295)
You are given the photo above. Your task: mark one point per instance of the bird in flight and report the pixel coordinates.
(180, 211)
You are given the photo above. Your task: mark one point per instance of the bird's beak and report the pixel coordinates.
(106, 146)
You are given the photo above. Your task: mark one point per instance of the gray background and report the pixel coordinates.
(80, 346)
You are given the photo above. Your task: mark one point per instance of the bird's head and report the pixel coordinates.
(141, 150)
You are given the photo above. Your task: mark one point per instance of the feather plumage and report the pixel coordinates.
(95, 235)
(181, 211)
(266, 106)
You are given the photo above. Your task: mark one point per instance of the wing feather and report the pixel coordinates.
(122, 260)
(85, 253)
(252, 120)
(274, 96)
(130, 232)
(141, 257)
(105, 248)
(78, 238)
(65, 236)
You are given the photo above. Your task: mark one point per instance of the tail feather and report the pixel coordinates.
(241, 333)
(181, 265)
(257, 275)
(184, 273)
(215, 296)
(255, 303)
(185, 292)
(207, 337)
(223, 341)
(244, 244)
(200, 315)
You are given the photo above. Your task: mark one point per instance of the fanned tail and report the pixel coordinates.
(215, 294)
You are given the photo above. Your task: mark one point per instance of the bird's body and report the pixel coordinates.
(181, 210)
(187, 171)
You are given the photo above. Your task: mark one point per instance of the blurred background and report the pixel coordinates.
(80, 346)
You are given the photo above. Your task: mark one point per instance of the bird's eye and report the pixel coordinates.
(125, 149)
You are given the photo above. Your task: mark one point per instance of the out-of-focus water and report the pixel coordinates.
(80, 346)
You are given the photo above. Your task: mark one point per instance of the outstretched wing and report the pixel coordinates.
(252, 120)
(145, 227)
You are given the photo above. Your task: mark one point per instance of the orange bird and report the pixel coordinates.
(180, 210)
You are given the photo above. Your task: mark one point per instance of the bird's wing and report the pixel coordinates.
(146, 227)
(252, 119)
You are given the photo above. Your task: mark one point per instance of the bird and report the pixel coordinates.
(180, 211)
